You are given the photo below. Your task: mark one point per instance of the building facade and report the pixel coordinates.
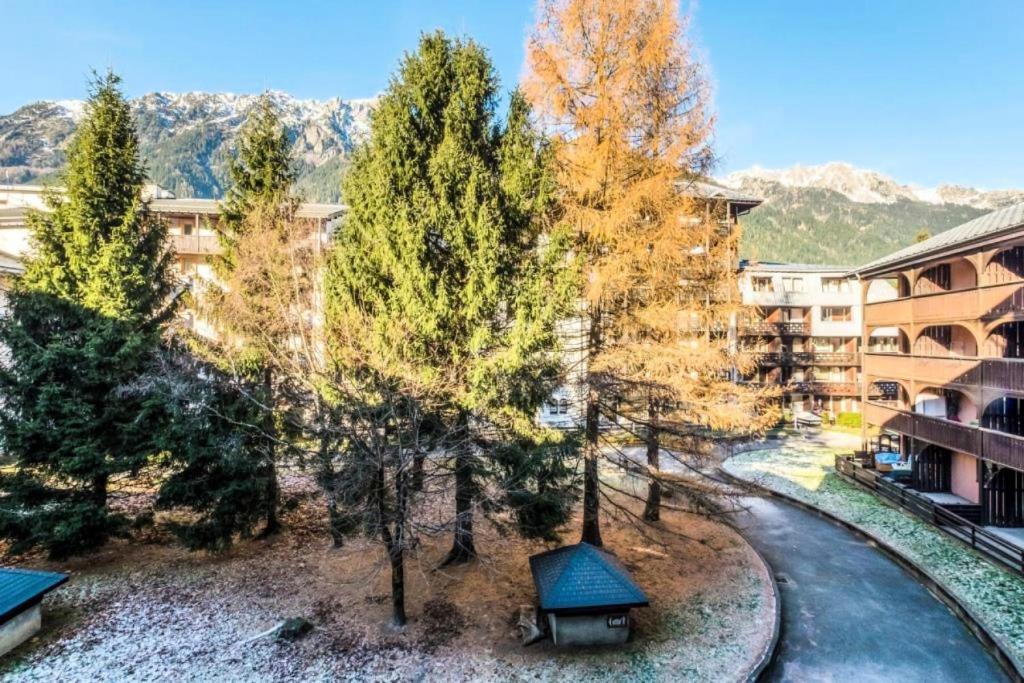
(192, 231)
(951, 387)
(804, 327)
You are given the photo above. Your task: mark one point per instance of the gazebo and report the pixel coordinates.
(586, 595)
(21, 592)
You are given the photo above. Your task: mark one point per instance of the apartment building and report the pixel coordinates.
(804, 326)
(952, 386)
(191, 226)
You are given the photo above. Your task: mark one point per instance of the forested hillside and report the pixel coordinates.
(816, 225)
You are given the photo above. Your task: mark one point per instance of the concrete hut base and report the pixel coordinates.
(19, 629)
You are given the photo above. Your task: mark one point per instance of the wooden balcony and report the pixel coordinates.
(195, 244)
(827, 388)
(1003, 448)
(948, 307)
(1004, 374)
(937, 371)
(953, 435)
(775, 329)
(835, 358)
(889, 417)
(888, 313)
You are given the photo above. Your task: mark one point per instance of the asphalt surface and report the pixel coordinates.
(849, 613)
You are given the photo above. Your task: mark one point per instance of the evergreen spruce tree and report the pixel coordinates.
(84, 320)
(441, 257)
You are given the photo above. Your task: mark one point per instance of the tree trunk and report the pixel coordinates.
(273, 524)
(99, 490)
(418, 461)
(397, 587)
(591, 484)
(652, 510)
(462, 544)
(337, 523)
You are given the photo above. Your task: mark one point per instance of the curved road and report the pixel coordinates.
(849, 613)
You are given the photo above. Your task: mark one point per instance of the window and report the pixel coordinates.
(762, 284)
(835, 285)
(186, 228)
(792, 284)
(836, 314)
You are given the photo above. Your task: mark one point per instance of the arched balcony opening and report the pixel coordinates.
(948, 404)
(903, 288)
(1006, 341)
(1006, 266)
(1004, 498)
(946, 341)
(932, 469)
(888, 340)
(887, 289)
(946, 277)
(1006, 415)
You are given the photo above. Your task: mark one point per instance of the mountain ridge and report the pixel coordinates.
(829, 213)
(187, 138)
(837, 213)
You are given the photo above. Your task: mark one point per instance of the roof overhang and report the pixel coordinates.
(892, 268)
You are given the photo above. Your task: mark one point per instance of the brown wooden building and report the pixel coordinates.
(952, 386)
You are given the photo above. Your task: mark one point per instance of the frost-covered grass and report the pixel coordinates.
(152, 611)
(806, 472)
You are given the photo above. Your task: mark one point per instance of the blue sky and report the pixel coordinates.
(927, 91)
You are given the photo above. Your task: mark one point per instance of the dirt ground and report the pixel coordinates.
(149, 610)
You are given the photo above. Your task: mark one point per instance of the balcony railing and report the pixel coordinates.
(836, 358)
(931, 369)
(806, 358)
(1003, 374)
(195, 244)
(763, 327)
(985, 302)
(1003, 448)
(827, 388)
(998, 447)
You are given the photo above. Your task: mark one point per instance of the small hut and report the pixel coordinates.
(585, 594)
(21, 592)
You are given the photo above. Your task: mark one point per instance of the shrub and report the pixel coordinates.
(848, 420)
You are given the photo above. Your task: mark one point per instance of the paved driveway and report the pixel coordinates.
(849, 613)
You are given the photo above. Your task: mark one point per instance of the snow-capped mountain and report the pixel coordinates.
(870, 187)
(186, 138)
(837, 213)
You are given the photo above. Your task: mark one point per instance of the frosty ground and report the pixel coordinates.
(804, 469)
(148, 610)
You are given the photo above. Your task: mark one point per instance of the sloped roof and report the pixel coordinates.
(979, 228)
(780, 267)
(581, 576)
(212, 206)
(21, 588)
(710, 190)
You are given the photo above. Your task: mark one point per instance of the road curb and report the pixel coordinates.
(991, 642)
(768, 655)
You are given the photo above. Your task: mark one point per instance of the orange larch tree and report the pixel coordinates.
(618, 88)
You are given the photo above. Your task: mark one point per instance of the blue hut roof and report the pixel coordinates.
(22, 588)
(583, 577)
